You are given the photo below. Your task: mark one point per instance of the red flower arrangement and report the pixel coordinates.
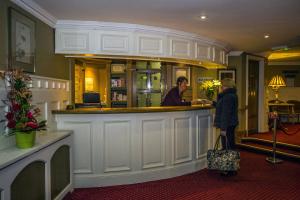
(21, 115)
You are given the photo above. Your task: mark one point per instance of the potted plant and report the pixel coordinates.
(21, 116)
(210, 87)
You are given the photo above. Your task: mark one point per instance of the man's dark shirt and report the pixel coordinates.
(173, 98)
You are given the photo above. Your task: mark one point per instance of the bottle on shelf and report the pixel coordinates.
(118, 86)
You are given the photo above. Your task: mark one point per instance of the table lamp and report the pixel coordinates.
(275, 83)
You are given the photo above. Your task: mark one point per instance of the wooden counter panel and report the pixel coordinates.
(147, 144)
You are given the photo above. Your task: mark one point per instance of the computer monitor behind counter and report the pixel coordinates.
(90, 99)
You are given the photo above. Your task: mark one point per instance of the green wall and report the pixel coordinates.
(46, 62)
(239, 64)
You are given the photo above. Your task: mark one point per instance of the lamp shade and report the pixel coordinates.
(276, 82)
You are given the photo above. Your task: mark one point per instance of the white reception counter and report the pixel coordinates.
(124, 148)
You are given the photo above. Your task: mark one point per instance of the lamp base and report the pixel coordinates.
(273, 160)
(277, 101)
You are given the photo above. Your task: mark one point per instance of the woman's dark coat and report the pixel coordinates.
(226, 109)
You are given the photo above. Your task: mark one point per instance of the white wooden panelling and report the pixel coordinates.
(54, 105)
(38, 84)
(150, 45)
(117, 145)
(182, 139)
(214, 54)
(218, 55)
(78, 37)
(73, 41)
(223, 55)
(83, 142)
(65, 103)
(46, 84)
(203, 135)
(3, 110)
(226, 58)
(203, 51)
(180, 48)
(46, 145)
(43, 106)
(137, 147)
(113, 43)
(53, 84)
(153, 143)
(77, 41)
(4, 141)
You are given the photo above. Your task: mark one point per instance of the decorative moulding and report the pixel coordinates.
(235, 53)
(110, 26)
(37, 11)
(282, 63)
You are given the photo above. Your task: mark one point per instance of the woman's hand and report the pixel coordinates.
(201, 101)
(205, 101)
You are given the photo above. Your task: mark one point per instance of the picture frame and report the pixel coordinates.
(118, 68)
(180, 71)
(21, 41)
(227, 73)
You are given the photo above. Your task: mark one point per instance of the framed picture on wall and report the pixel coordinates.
(181, 71)
(118, 68)
(226, 73)
(21, 41)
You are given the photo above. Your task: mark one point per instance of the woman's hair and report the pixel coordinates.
(228, 82)
(180, 79)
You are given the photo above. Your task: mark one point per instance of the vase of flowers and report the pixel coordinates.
(21, 116)
(210, 87)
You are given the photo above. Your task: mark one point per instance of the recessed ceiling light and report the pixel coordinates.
(266, 36)
(203, 17)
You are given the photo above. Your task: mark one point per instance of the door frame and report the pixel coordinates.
(262, 117)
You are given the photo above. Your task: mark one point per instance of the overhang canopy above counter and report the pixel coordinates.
(106, 39)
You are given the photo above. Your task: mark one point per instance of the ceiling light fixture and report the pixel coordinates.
(266, 36)
(280, 48)
(203, 17)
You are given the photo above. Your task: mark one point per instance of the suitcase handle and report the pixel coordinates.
(218, 142)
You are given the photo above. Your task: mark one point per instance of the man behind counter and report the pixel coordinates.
(174, 96)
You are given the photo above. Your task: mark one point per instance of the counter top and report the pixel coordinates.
(133, 109)
(43, 139)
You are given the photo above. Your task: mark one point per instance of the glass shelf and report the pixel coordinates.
(118, 88)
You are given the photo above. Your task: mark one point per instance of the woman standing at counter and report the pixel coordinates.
(174, 96)
(227, 112)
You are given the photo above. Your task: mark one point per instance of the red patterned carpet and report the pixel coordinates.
(257, 179)
(281, 136)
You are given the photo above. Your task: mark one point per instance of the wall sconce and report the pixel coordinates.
(275, 83)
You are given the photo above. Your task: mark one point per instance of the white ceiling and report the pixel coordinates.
(239, 23)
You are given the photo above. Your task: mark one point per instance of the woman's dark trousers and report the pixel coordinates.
(230, 138)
